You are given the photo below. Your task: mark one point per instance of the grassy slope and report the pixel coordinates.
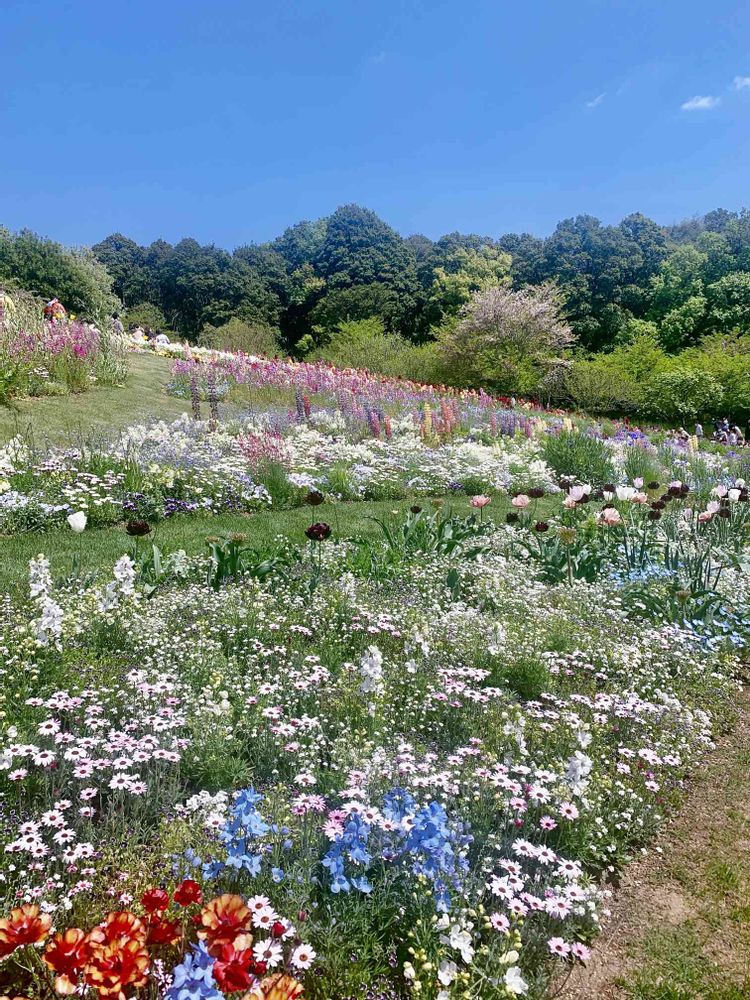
(64, 417)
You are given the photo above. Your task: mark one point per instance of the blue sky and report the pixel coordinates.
(228, 120)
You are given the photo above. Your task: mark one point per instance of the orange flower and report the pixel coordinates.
(112, 967)
(65, 956)
(277, 987)
(118, 928)
(223, 921)
(24, 925)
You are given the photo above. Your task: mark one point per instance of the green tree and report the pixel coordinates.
(464, 272)
(50, 270)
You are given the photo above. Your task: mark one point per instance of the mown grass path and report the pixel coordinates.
(102, 408)
(680, 924)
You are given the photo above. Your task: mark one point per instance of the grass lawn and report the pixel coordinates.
(98, 548)
(63, 418)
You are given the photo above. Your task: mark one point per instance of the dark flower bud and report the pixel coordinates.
(314, 498)
(541, 526)
(536, 493)
(609, 487)
(653, 485)
(137, 529)
(654, 515)
(511, 517)
(724, 512)
(415, 509)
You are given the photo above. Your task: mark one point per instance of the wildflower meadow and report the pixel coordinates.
(403, 765)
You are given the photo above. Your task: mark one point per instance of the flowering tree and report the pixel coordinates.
(502, 336)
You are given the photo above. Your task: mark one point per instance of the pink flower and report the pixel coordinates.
(580, 951)
(521, 501)
(480, 501)
(559, 947)
(610, 516)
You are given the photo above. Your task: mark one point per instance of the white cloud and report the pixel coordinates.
(596, 101)
(740, 82)
(698, 103)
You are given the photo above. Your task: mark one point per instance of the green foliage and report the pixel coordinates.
(146, 315)
(49, 270)
(674, 284)
(465, 271)
(585, 458)
(366, 344)
(597, 385)
(683, 394)
(240, 335)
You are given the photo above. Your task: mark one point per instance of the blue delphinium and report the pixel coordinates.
(244, 826)
(435, 846)
(350, 845)
(431, 845)
(193, 978)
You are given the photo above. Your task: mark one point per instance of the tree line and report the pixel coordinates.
(686, 280)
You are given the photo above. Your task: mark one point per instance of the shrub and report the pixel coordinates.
(597, 386)
(501, 337)
(683, 394)
(240, 335)
(146, 314)
(366, 344)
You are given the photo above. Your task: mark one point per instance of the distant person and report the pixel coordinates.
(161, 338)
(699, 431)
(117, 328)
(150, 335)
(55, 311)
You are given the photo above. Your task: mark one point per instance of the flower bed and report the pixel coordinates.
(397, 768)
(49, 356)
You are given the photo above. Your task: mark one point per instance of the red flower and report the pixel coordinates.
(233, 970)
(277, 929)
(154, 900)
(24, 925)
(161, 931)
(223, 921)
(65, 955)
(187, 893)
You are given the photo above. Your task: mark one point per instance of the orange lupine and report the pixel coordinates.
(223, 921)
(64, 954)
(24, 925)
(112, 967)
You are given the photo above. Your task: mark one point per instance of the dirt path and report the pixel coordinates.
(680, 924)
